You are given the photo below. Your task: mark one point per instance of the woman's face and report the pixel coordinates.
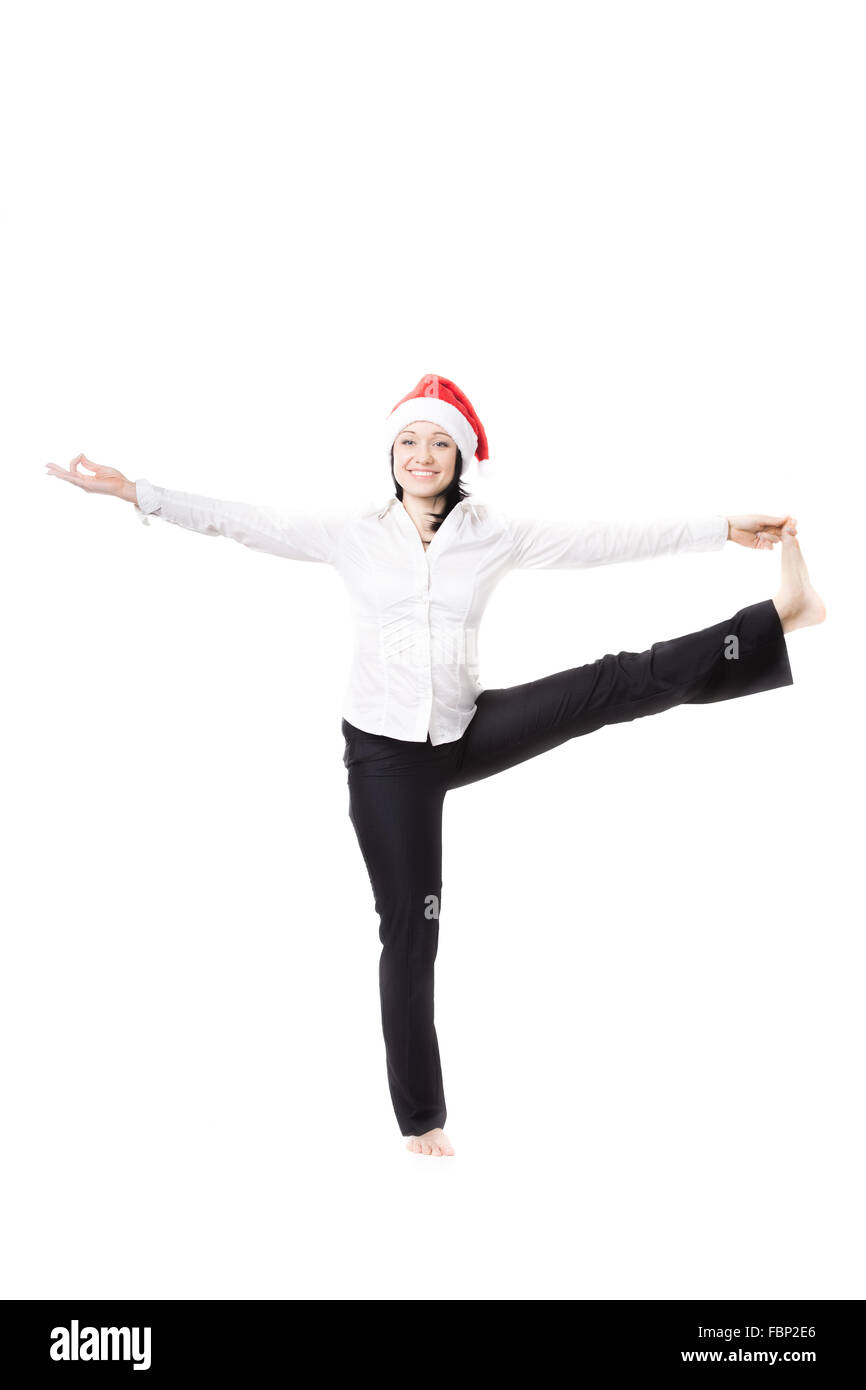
(424, 459)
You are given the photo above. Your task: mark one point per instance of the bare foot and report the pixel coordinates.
(797, 603)
(435, 1142)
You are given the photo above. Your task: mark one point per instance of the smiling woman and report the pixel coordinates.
(435, 428)
(426, 466)
(418, 722)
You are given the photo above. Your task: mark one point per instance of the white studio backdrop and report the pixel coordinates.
(233, 237)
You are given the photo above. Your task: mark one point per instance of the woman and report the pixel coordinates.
(417, 721)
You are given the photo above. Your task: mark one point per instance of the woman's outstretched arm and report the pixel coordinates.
(295, 537)
(540, 544)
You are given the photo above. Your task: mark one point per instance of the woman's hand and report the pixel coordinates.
(759, 532)
(104, 479)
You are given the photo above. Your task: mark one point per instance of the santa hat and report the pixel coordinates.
(437, 399)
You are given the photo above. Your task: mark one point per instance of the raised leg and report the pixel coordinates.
(741, 655)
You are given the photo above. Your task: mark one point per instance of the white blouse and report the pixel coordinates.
(418, 611)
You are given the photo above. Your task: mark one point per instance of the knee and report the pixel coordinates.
(409, 913)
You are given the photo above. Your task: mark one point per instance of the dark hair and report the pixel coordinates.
(456, 492)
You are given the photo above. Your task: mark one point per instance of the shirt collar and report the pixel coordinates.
(394, 501)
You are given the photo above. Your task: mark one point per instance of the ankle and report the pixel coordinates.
(784, 607)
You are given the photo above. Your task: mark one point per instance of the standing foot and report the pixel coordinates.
(797, 603)
(435, 1142)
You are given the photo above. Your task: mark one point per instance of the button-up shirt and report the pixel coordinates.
(417, 612)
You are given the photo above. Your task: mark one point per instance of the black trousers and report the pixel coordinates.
(397, 789)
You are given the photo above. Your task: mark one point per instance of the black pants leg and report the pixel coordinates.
(742, 655)
(397, 790)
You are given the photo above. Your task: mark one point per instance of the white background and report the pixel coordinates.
(233, 237)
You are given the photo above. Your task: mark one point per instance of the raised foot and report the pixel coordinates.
(435, 1142)
(797, 603)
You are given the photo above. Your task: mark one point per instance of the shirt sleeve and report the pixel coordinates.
(572, 545)
(295, 537)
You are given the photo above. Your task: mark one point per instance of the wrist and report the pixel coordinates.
(127, 492)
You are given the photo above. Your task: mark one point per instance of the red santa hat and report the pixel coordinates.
(438, 400)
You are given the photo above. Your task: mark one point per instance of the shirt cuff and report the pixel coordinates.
(147, 499)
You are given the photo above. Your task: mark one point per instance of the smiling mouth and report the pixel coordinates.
(422, 472)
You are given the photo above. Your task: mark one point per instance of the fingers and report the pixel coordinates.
(756, 522)
(81, 459)
(790, 526)
(755, 537)
(765, 539)
(66, 474)
(73, 475)
(770, 520)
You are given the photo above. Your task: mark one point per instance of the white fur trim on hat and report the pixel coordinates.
(438, 412)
